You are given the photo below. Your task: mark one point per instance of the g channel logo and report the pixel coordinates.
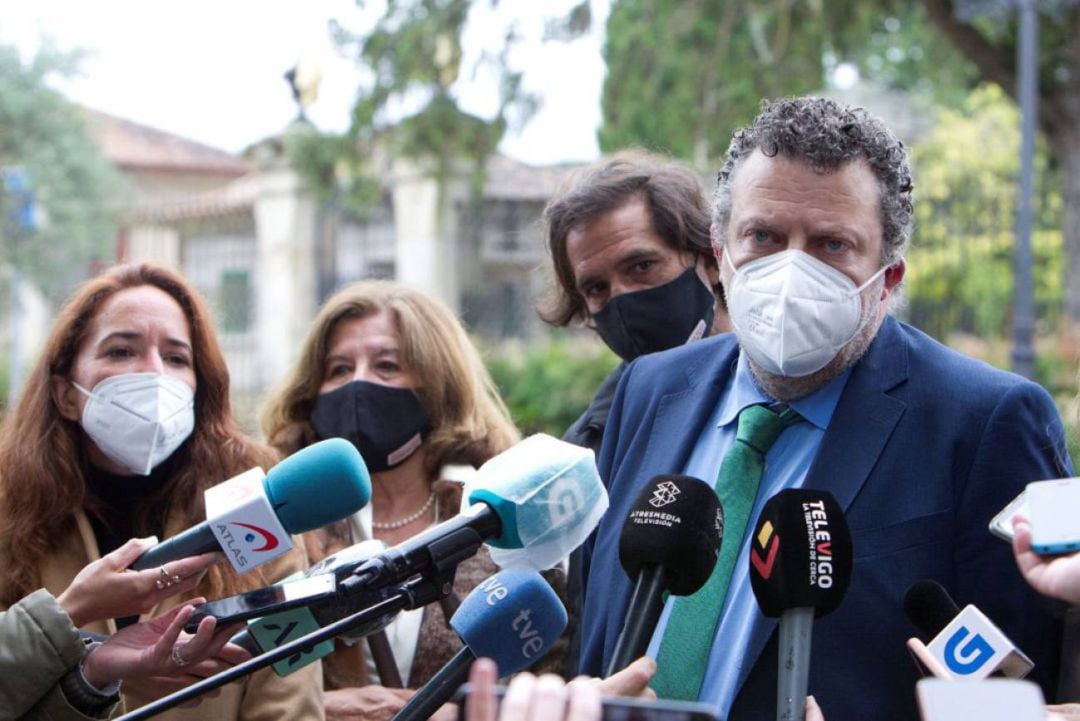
(967, 659)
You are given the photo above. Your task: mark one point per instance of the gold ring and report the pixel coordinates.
(176, 657)
(166, 579)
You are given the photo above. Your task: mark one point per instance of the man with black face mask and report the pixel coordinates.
(629, 242)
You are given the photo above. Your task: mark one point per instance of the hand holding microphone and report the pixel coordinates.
(964, 644)
(800, 568)
(107, 589)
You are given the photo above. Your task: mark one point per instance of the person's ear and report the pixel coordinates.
(717, 241)
(893, 275)
(65, 396)
(712, 269)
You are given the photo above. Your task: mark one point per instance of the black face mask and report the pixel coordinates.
(652, 320)
(385, 424)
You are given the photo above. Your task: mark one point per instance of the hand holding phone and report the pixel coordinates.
(1052, 510)
(1054, 576)
(1001, 525)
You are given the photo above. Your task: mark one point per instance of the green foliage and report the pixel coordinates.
(682, 76)
(414, 54)
(79, 192)
(902, 50)
(960, 265)
(547, 386)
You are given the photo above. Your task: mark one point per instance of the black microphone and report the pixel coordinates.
(963, 643)
(800, 567)
(320, 484)
(669, 542)
(513, 618)
(929, 607)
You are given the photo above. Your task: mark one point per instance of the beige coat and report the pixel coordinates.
(262, 696)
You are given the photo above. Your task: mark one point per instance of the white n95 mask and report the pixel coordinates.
(792, 312)
(138, 419)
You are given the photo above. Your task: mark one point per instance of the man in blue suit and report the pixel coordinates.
(920, 445)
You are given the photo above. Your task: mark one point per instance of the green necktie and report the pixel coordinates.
(691, 627)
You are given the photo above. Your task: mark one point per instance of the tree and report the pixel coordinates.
(414, 54)
(77, 191)
(990, 45)
(960, 270)
(682, 75)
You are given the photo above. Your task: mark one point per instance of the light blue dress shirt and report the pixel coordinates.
(786, 466)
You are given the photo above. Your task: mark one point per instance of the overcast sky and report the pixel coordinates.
(211, 70)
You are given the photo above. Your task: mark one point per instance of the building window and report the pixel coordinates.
(235, 301)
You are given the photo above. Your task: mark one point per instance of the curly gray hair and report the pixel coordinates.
(828, 135)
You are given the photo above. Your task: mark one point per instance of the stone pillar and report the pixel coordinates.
(426, 220)
(285, 287)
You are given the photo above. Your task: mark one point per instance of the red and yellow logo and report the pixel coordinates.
(764, 560)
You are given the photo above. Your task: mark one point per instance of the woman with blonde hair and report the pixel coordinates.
(391, 370)
(123, 423)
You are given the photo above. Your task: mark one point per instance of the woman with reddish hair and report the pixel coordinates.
(123, 423)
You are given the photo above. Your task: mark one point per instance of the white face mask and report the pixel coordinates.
(792, 312)
(138, 419)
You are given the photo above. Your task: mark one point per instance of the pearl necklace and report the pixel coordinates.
(391, 525)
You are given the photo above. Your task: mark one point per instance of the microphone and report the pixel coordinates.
(284, 620)
(532, 504)
(513, 617)
(669, 543)
(800, 567)
(320, 484)
(965, 645)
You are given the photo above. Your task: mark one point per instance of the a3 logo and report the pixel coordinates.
(664, 494)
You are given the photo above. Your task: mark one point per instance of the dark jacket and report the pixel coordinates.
(924, 447)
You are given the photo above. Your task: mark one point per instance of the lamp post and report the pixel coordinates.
(1027, 63)
(1027, 89)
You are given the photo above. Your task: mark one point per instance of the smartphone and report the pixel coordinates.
(622, 708)
(1001, 524)
(264, 601)
(1052, 510)
(996, 699)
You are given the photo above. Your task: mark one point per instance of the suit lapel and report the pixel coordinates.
(671, 443)
(864, 418)
(667, 450)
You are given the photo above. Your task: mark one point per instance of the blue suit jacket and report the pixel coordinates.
(924, 447)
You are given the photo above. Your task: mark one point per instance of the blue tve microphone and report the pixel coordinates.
(513, 618)
(320, 484)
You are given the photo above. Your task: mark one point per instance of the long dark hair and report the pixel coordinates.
(42, 482)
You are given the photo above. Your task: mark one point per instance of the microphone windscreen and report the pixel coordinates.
(548, 496)
(676, 523)
(317, 485)
(929, 607)
(800, 553)
(513, 617)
